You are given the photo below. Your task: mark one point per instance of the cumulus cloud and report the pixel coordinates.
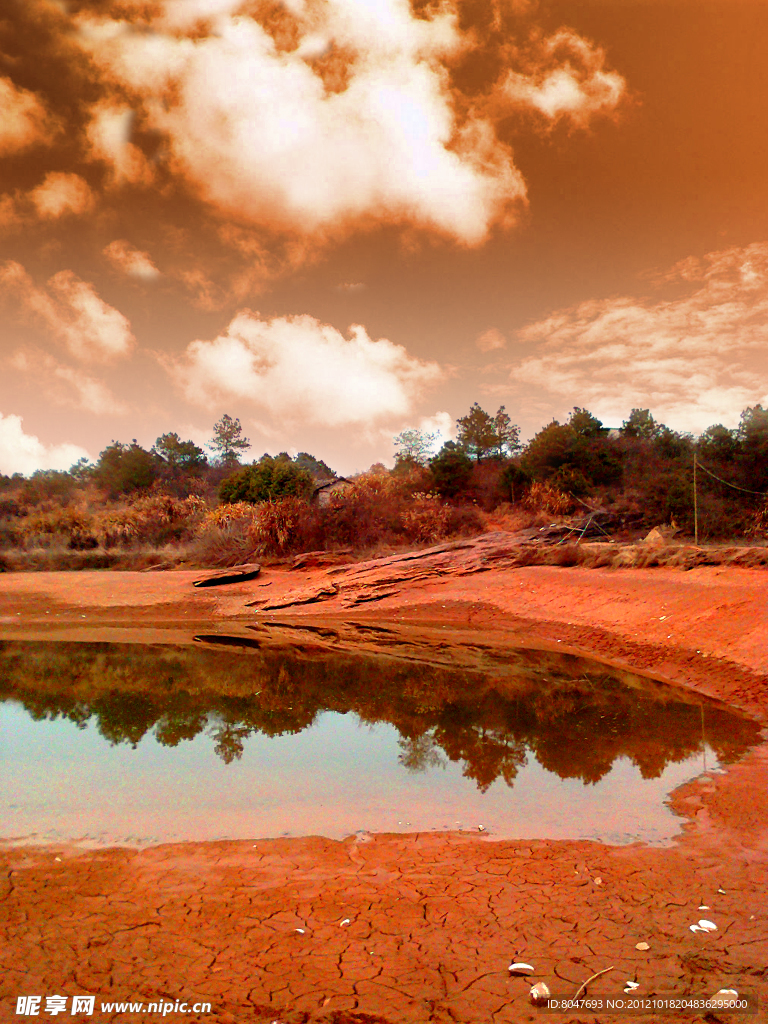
(26, 453)
(131, 261)
(491, 340)
(61, 194)
(694, 359)
(268, 132)
(91, 395)
(66, 385)
(567, 78)
(440, 423)
(71, 310)
(24, 121)
(302, 370)
(109, 138)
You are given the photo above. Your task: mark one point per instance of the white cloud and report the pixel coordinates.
(303, 371)
(23, 119)
(131, 261)
(567, 79)
(258, 132)
(25, 453)
(80, 390)
(694, 360)
(60, 194)
(109, 138)
(440, 423)
(72, 311)
(491, 340)
(90, 394)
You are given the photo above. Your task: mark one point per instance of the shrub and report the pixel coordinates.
(124, 468)
(284, 526)
(427, 519)
(266, 480)
(543, 498)
(451, 470)
(225, 536)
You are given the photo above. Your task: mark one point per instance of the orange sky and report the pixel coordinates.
(339, 218)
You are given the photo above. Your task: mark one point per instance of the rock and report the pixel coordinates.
(540, 994)
(236, 574)
(317, 559)
(660, 535)
(307, 595)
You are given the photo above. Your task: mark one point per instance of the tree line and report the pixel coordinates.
(642, 467)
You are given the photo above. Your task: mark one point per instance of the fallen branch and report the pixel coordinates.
(584, 984)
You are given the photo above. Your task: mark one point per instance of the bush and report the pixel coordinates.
(543, 498)
(451, 470)
(266, 480)
(285, 525)
(427, 519)
(123, 468)
(225, 536)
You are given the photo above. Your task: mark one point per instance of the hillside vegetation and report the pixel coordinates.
(173, 504)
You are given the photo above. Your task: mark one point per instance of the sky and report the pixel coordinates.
(338, 219)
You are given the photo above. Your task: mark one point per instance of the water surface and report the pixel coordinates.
(116, 743)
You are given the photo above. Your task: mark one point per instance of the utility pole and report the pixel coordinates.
(695, 505)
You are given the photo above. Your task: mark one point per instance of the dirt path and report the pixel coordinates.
(432, 922)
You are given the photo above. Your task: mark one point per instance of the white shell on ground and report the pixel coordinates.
(707, 926)
(519, 968)
(726, 993)
(539, 994)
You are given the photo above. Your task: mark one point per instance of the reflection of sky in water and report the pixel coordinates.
(337, 777)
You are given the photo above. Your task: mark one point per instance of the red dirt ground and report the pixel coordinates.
(433, 920)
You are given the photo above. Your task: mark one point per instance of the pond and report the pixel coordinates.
(105, 743)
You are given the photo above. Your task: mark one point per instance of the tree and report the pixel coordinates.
(719, 443)
(451, 470)
(81, 471)
(550, 449)
(184, 456)
(266, 479)
(228, 442)
(477, 432)
(640, 423)
(515, 480)
(122, 468)
(414, 446)
(570, 459)
(753, 438)
(481, 434)
(584, 423)
(507, 433)
(318, 468)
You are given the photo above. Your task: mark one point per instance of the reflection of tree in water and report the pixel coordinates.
(419, 753)
(575, 722)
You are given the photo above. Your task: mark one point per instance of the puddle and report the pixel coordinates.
(125, 743)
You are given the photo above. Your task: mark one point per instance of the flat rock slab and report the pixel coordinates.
(236, 574)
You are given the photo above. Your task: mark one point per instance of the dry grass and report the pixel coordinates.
(63, 559)
(640, 556)
(377, 514)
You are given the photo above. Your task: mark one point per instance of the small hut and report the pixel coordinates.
(322, 493)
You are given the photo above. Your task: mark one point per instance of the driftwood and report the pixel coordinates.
(596, 524)
(236, 574)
